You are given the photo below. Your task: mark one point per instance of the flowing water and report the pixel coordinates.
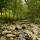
(19, 31)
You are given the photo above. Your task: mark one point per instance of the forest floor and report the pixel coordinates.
(19, 30)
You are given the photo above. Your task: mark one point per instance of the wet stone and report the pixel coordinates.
(3, 38)
(6, 32)
(18, 26)
(10, 35)
(11, 38)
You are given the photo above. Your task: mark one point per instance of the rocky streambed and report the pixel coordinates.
(19, 31)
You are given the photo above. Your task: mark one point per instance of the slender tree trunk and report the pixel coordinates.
(14, 9)
(9, 12)
(1, 12)
(5, 12)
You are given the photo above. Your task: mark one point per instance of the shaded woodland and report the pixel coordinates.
(20, 10)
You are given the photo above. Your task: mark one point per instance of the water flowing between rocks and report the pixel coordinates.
(19, 31)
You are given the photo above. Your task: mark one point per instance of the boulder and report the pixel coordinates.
(10, 35)
(6, 32)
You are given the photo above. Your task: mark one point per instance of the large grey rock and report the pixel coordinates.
(22, 36)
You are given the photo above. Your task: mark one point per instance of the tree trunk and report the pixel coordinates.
(1, 12)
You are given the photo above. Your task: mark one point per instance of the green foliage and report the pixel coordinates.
(34, 7)
(37, 20)
(1, 3)
(16, 10)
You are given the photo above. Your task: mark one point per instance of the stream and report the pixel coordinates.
(19, 31)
